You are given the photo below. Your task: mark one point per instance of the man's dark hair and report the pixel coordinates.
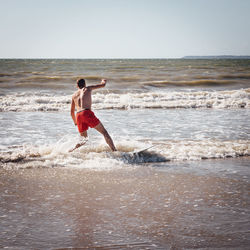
(81, 83)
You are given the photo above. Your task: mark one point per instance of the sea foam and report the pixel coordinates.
(167, 100)
(98, 156)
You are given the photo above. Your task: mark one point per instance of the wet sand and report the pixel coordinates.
(164, 206)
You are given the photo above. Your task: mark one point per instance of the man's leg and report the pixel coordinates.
(100, 128)
(84, 134)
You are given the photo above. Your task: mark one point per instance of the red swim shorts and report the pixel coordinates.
(86, 119)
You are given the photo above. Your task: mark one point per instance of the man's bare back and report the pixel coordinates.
(82, 99)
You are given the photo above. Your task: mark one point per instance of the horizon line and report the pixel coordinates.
(121, 58)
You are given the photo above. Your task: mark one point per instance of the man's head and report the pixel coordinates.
(81, 83)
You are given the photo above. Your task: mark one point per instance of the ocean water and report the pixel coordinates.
(189, 190)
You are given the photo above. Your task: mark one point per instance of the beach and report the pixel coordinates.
(190, 190)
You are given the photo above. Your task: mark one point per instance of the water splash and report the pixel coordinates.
(97, 156)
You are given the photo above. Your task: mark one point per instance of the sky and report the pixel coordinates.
(123, 28)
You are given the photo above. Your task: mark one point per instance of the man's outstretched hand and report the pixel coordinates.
(103, 81)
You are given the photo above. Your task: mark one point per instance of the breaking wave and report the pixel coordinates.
(98, 156)
(169, 100)
(202, 82)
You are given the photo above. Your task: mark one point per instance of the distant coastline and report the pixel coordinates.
(216, 57)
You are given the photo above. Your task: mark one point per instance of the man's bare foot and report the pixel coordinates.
(78, 145)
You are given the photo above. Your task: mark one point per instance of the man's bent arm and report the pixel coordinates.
(72, 111)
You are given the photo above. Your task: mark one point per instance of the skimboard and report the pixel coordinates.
(143, 150)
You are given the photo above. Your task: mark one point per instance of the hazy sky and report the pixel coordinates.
(123, 28)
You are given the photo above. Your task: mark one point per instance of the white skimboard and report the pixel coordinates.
(143, 150)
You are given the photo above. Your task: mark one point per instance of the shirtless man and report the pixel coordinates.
(85, 118)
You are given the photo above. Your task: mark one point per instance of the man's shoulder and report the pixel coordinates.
(89, 88)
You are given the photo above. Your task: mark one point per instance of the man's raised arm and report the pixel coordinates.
(98, 86)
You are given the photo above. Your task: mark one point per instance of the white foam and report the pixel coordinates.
(98, 156)
(198, 99)
(203, 149)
